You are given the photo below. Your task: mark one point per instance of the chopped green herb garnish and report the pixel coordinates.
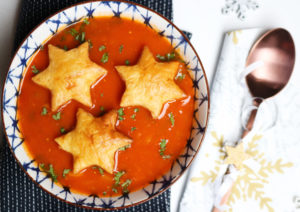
(65, 48)
(104, 58)
(44, 111)
(90, 43)
(170, 56)
(100, 171)
(133, 129)
(127, 62)
(102, 108)
(123, 148)
(62, 38)
(101, 94)
(180, 76)
(136, 110)
(34, 70)
(104, 193)
(80, 36)
(42, 166)
(114, 190)
(73, 32)
(86, 21)
(121, 48)
(163, 145)
(62, 130)
(50, 171)
(166, 57)
(171, 116)
(117, 177)
(161, 58)
(121, 114)
(125, 186)
(166, 156)
(65, 172)
(56, 116)
(133, 116)
(101, 48)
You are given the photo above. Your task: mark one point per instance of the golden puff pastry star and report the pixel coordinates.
(94, 141)
(150, 83)
(70, 75)
(236, 155)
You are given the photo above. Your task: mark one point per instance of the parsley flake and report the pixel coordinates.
(136, 110)
(65, 172)
(104, 58)
(101, 48)
(171, 116)
(125, 186)
(56, 116)
(104, 193)
(62, 130)
(180, 76)
(121, 114)
(114, 190)
(100, 171)
(90, 43)
(123, 148)
(44, 111)
(167, 57)
(127, 62)
(34, 70)
(65, 48)
(133, 116)
(117, 177)
(50, 172)
(163, 145)
(121, 48)
(133, 129)
(102, 108)
(101, 94)
(85, 21)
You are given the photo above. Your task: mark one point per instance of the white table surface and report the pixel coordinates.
(201, 17)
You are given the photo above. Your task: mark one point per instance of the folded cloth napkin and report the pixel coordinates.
(268, 157)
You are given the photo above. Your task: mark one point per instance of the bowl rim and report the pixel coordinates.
(206, 121)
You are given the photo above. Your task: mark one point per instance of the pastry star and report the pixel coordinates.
(94, 141)
(70, 75)
(236, 155)
(149, 83)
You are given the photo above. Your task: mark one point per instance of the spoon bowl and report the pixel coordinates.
(277, 52)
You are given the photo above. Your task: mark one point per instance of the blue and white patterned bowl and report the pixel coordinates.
(64, 18)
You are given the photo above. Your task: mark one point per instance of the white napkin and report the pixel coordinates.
(269, 180)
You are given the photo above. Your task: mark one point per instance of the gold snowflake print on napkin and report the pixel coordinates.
(249, 183)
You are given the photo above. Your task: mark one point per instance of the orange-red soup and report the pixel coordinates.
(142, 162)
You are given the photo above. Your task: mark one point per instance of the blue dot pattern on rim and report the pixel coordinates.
(19, 193)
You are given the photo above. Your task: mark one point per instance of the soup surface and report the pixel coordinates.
(121, 42)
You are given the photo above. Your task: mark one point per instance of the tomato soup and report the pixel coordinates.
(121, 41)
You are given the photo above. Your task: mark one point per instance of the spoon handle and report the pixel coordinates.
(249, 126)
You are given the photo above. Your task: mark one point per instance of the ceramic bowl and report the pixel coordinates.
(64, 18)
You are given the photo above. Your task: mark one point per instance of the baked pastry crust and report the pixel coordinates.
(150, 83)
(94, 141)
(70, 75)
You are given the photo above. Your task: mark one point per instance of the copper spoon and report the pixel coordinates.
(276, 50)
